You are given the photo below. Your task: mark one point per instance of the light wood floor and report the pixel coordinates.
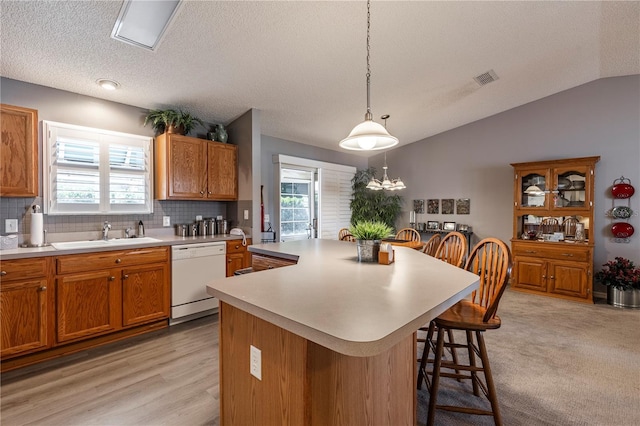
(169, 377)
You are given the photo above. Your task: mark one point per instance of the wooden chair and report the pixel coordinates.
(452, 249)
(569, 226)
(549, 225)
(408, 234)
(491, 260)
(432, 244)
(342, 232)
(348, 237)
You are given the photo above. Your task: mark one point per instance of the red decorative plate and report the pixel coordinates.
(622, 229)
(622, 188)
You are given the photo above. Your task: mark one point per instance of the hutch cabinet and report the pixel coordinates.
(553, 209)
(189, 168)
(18, 151)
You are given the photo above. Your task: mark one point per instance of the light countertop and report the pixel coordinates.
(358, 309)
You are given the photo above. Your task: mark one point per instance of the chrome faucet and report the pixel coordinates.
(105, 230)
(127, 232)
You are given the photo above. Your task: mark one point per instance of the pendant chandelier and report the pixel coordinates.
(368, 135)
(386, 183)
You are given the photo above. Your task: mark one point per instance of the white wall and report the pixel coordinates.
(599, 118)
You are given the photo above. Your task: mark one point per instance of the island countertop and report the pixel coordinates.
(328, 297)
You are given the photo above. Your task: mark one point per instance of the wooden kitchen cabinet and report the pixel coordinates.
(189, 168)
(18, 151)
(26, 306)
(548, 190)
(103, 292)
(261, 262)
(238, 257)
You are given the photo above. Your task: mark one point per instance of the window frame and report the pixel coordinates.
(105, 140)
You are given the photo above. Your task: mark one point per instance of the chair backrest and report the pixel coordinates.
(342, 232)
(549, 225)
(491, 260)
(432, 244)
(452, 248)
(569, 226)
(348, 237)
(408, 234)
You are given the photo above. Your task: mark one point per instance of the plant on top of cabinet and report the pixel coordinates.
(172, 121)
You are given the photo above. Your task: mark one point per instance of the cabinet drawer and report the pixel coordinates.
(23, 268)
(235, 246)
(580, 254)
(110, 259)
(261, 262)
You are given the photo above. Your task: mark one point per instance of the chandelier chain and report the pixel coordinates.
(368, 57)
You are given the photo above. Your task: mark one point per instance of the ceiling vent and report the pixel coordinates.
(143, 23)
(486, 78)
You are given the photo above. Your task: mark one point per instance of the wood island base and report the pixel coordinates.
(306, 383)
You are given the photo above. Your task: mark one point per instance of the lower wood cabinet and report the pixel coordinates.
(238, 257)
(26, 306)
(260, 262)
(561, 270)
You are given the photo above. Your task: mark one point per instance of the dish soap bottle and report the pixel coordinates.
(140, 229)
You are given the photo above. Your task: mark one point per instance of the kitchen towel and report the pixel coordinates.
(37, 229)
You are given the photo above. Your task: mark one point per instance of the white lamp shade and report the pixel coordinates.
(368, 136)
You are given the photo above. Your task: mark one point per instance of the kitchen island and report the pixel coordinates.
(337, 337)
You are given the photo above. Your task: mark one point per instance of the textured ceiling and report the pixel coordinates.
(303, 63)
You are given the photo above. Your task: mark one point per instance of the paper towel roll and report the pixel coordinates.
(37, 229)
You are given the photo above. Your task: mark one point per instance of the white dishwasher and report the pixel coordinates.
(193, 266)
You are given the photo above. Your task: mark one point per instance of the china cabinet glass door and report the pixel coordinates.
(533, 189)
(570, 188)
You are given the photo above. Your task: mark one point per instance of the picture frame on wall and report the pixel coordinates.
(418, 206)
(433, 224)
(463, 206)
(448, 226)
(447, 205)
(433, 206)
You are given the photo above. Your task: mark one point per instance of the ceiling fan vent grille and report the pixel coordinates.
(486, 78)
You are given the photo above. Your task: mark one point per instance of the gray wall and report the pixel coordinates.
(599, 118)
(271, 146)
(67, 107)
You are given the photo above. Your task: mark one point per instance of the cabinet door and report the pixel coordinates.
(146, 294)
(572, 188)
(235, 261)
(569, 279)
(222, 171)
(532, 189)
(88, 304)
(530, 273)
(187, 168)
(24, 309)
(18, 151)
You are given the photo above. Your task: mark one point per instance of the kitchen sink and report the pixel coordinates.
(114, 242)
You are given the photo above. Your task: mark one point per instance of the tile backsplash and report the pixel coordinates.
(178, 211)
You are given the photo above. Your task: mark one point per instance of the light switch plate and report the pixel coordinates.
(256, 362)
(246, 215)
(267, 218)
(166, 220)
(11, 226)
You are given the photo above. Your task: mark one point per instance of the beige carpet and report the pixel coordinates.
(555, 362)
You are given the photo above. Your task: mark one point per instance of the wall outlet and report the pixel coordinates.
(256, 362)
(267, 218)
(246, 215)
(11, 226)
(166, 220)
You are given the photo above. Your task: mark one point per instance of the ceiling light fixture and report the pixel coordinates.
(368, 135)
(107, 84)
(143, 23)
(386, 183)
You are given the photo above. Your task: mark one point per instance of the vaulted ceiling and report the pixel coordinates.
(303, 63)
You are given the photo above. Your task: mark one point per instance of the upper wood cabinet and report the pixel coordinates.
(18, 151)
(189, 168)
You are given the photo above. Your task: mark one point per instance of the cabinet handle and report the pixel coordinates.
(530, 251)
(270, 267)
(125, 276)
(43, 288)
(552, 277)
(112, 278)
(237, 247)
(3, 273)
(209, 192)
(201, 192)
(544, 276)
(568, 254)
(118, 260)
(229, 261)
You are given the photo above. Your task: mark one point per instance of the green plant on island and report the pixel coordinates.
(372, 205)
(370, 230)
(172, 121)
(620, 273)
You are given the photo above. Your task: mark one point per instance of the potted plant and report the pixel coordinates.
(622, 279)
(368, 235)
(171, 121)
(372, 205)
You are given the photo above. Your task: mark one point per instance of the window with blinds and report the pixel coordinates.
(94, 171)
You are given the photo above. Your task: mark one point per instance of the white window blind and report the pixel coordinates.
(335, 200)
(94, 171)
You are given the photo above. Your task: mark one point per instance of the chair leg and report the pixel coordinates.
(422, 371)
(435, 379)
(454, 354)
(472, 362)
(493, 397)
